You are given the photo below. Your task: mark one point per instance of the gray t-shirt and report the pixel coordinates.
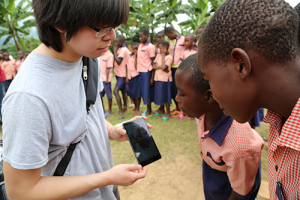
(44, 111)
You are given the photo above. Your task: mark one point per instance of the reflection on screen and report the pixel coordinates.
(141, 140)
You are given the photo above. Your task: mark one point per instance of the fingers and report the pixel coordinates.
(133, 167)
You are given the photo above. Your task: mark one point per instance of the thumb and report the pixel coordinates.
(134, 167)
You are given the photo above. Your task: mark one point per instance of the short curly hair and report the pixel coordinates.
(195, 78)
(297, 8)
(269, 27)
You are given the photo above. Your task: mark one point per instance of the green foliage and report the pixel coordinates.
(199, 13)
(30, 44)
(15, 21)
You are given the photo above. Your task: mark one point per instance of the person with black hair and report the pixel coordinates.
(106, 65)
(176, 47)
(249, 53)
(145, 56)
(20, 61)
(132, 79)
(162, 79)
(159, 38)
(45, 109)
(230, 151)
(297, 8)
(121, 55)
(9, 68)
(198, 32)
(189, 43)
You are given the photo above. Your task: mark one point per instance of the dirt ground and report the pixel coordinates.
(180, 179)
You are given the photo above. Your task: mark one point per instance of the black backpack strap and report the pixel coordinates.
(63, 164)
(90, 80)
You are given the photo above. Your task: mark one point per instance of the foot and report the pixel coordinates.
(110, 112)
(159, 111)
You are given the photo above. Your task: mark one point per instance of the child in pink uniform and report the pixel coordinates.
(177, 47)
(163, 78)
(20, 61)
(106, 62)
(121, 55)
(145, 57)
(189, 42)
(9, 68)
(198, 31)
(231, 151)
(132, 79)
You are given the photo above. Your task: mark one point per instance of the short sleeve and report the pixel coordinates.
(169, 61)
(26, 131)
(122, 53)
(151, 51)
(182, 56)
(242, 174)
(110, 61)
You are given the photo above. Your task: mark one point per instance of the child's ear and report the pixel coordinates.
(209, 97)
(242, 62)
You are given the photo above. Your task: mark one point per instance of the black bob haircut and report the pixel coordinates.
(165, 44)
(268, 27)
(134, 44)
(71, 15)
(144, 31)
(195, 77)
(169, 29)
(297, 8)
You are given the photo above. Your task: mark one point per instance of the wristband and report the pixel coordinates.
(109, 137)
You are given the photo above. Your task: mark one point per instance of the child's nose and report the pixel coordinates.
(177, 98)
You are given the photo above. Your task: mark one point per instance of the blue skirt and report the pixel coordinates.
(121, 83)
(147, 92)
(173, 84)
(106, 90)
(162, 93)
(134, 88)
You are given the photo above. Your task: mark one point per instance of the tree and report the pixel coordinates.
(16, 22)
(199, 13)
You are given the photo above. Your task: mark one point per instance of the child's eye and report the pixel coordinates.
(182, 95)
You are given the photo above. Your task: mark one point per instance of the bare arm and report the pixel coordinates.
(29, 184)
(118, 60)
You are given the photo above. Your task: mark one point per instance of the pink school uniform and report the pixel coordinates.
(231, 155)
(163, 81)
(177, 47)
(145, 55)
(106, 63)
(284, 154)
(186, 53)
(120, 70)
(132, 74)
(19, 64)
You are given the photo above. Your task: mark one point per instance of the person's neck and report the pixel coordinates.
(212, 117)
(191, 48)
(280, 88)
(65, 55)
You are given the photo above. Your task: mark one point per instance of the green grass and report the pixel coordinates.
(173, 138)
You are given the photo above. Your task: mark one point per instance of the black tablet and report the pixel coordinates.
(141, 141)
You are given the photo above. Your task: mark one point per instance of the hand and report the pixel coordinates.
(126, 174)
(119, 133)
(127, 81)
(151, 82)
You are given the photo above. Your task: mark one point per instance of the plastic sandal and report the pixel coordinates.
(106, 115)
(165, 119)
(157, 114)
(144, 113)
(176, 114)
(181, 116)
(121, 117)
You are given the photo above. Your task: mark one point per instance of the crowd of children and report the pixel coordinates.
(146, 73)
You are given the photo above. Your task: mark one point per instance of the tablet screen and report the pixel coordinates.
(141, 141)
